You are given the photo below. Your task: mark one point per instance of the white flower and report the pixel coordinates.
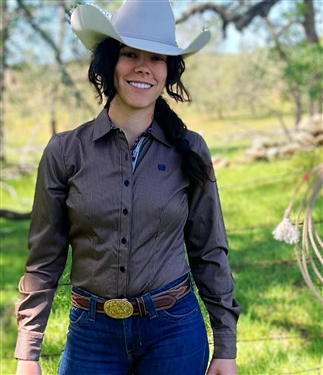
(285, 231)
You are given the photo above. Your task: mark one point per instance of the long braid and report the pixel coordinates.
(193, 166)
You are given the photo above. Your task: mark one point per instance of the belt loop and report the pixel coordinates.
(191, 281)
(92, 308)
(149, 305)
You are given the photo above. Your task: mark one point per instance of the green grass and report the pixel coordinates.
(281, 326)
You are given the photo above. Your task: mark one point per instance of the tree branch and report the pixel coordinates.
(226, 16)
(260, 9)
(67, 79)
(241, 21)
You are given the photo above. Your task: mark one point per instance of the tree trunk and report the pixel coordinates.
(315, 106)
(252, 108)
(57, 69)
(3, 39)
(309, 22)
(298, 104)
(294, 89)
(219, 113)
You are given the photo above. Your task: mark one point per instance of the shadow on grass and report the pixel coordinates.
(270, 289)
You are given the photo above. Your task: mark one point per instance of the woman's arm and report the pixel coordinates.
(48, 248)
(28, 368)
(222, 367)
(207, 249)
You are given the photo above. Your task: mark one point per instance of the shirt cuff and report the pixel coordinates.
(225, 345)
(28, 346)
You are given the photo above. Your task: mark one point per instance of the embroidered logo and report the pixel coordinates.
(161, 167)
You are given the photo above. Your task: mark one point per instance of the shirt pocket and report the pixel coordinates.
(78, 316)
(184, 309)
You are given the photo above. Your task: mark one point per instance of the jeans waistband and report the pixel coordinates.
(146, 304)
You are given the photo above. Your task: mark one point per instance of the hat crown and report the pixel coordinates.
(148, 25)
(146, 19)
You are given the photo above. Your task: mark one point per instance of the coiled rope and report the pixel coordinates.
(309, 254)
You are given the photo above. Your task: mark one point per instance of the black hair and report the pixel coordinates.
(101, 74)
(104, 59)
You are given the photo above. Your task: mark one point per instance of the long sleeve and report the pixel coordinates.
(207, 249)
(48, 245)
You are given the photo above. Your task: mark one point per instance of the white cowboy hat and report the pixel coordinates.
(148, 25)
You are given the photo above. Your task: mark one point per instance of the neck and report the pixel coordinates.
(132, 121)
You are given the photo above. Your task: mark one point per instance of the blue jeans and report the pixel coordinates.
(167, 342)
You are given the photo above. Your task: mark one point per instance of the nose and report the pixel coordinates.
(142, 66)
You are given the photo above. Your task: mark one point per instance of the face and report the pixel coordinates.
(139, 78)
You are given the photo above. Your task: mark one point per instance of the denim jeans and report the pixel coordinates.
(167, 342)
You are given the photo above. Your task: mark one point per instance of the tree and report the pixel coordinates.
(300, 75)
(3, 64)
(42, 26)
(32, 21)
(300, 56)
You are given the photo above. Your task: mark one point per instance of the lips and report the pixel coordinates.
(140, 85)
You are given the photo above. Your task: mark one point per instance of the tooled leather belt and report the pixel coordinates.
(123, 308)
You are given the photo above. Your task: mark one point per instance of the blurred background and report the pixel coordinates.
(257, 100)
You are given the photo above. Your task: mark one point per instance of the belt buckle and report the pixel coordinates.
(118, 308)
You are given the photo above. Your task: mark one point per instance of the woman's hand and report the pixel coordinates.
(222, 367)
(28, 368)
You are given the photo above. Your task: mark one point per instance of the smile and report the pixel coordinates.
(140, 85)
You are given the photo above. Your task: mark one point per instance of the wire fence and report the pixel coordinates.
(263, 180)
(318, 370)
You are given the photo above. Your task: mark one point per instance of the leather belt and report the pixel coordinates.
(123, 308)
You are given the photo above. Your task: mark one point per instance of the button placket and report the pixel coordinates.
(125, 204)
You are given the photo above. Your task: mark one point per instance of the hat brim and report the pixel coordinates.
(92, 26)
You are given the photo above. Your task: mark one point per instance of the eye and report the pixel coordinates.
(159, 58)
(126, 53)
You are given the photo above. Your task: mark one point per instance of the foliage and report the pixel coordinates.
(244, 84)
(301, 71)
(289, 28)
(305, 68)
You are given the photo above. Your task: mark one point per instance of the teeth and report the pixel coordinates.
(140, 85)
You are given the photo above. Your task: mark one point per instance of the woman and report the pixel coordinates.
(127, 191)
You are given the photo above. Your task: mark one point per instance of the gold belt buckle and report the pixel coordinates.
(118, 308)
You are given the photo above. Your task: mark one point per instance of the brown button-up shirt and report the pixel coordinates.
(127, 229)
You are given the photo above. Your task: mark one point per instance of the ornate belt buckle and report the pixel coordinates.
(118, 308)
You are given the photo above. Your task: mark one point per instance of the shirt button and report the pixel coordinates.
(125, 211)
(126, 183)
(124, 240)
(122, 269)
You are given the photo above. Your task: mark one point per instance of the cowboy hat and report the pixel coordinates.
(148, 25)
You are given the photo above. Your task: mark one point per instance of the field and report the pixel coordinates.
(280, 331)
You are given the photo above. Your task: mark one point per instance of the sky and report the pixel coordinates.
(234, 42)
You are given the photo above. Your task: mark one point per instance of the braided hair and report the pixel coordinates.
(101, 74)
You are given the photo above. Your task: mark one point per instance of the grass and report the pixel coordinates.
(280, 328)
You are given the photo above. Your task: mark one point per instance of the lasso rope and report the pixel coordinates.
(309, 254)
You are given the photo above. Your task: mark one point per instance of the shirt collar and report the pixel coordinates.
(101, 127)
(158, 133)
